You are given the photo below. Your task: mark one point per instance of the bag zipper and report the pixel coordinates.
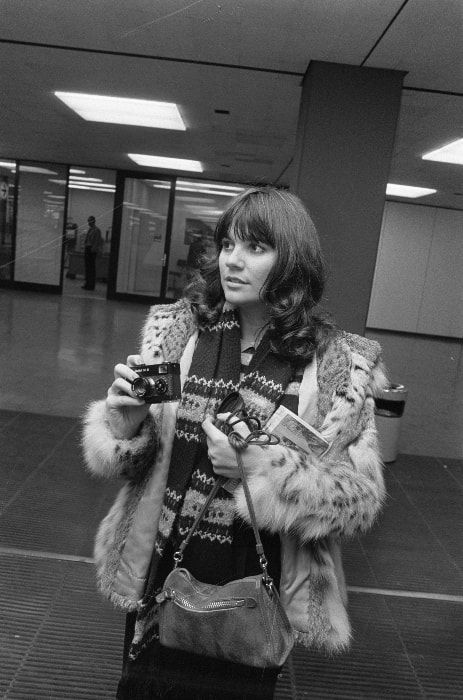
(184, 602)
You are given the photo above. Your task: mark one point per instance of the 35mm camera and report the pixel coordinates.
(157, 383)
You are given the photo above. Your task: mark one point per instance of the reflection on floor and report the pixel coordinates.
(61, 641)
(73, 288)
(59, 352)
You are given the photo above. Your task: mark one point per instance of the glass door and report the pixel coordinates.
(40, 225)
(142, 245)
(198, 206)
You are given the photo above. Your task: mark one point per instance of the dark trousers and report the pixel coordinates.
(90, 268)
(167, 674)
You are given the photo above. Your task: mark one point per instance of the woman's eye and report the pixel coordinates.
(226, 244)
(256, 247)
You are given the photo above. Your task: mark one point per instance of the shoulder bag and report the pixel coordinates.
(242, 621)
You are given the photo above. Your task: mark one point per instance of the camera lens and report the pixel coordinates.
(140, 386)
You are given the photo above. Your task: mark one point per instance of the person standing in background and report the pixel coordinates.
(195, 252)
(93, 245)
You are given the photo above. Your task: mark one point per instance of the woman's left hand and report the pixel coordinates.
(220, 452)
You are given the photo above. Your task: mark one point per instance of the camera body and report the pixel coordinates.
(157, 383)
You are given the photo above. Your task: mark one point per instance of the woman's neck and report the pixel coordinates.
(252, 323)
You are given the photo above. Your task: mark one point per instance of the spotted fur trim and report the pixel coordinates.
(341, 493)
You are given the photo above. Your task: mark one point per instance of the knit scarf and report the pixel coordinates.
(215, 371)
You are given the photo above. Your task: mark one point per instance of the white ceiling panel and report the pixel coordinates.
(267, 34)
(426, 40)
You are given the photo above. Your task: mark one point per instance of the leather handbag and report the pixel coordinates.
(242, 621)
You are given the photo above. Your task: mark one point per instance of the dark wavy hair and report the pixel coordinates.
(295, 283)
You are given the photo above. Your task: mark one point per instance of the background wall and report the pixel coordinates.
(416, 313)
(418, 282)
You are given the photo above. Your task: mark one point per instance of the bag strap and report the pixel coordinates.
(239, 443)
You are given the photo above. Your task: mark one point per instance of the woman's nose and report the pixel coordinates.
(235, 258)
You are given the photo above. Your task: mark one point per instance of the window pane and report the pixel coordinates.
(39, 230)
(7, 176)
(143, 235)
(198, 205)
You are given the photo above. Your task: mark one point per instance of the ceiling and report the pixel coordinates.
(243, 57)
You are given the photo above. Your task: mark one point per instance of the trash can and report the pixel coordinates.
(389, 408)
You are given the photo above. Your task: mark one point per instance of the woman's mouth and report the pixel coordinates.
(234, 280)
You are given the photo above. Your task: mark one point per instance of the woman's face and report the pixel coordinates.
(244, 266)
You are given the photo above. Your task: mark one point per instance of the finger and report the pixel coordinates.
(133, 360)
(121, 400)
(223, 416)
(209, 428)
(239, 426)
(121, 387)
(124, 372)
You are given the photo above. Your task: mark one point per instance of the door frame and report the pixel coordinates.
(121, 177)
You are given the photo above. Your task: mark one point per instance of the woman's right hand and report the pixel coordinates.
(125, 411)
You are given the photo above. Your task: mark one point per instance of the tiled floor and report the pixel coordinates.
(60, 640)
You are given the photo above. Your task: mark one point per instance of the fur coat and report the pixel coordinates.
(312, 502)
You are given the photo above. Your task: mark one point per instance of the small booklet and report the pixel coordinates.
(295, 432)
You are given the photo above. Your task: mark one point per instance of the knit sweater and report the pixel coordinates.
(311, 501)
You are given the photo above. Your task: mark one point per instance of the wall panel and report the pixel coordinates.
(403, 254)
(441, 311)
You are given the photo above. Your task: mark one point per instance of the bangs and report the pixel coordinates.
(245, 221)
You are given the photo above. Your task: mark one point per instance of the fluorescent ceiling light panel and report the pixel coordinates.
(77, 178)
(75, 171)
(218, 193)
(210, 185)
(93, 189)
(170, 163)
(408, 191)
(7, 164)
(124, 110)
(34, 169)
(451, 153)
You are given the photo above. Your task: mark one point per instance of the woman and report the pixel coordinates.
(247, 323)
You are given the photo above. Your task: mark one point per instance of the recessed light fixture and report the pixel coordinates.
(210, 185)
(408, 191)
(76, 171)
(7, 164)
(124, 110)
(170, 163)
(35, 169)
(451, 153)
(107, 188)
(77, 178)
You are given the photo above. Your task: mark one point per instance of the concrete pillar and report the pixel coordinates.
(346, 131)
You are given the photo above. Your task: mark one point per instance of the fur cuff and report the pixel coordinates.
(107, 456)
(311, 498)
